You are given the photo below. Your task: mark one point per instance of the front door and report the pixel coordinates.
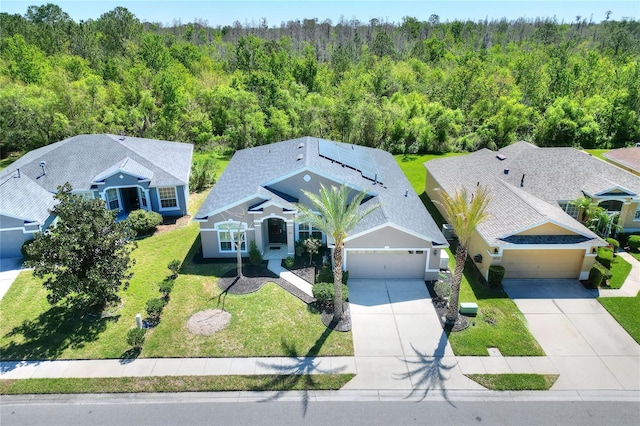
(130, 199)
(277, 231)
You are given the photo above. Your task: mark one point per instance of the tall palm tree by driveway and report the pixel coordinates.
(464, 214)
(337, 217)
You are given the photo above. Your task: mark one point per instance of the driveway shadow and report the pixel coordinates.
(547, 289)
(428, 372)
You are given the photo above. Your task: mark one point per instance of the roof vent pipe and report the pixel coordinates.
(506, 171)
(44, 170)
(18, 176)
(406, 192)
(522, 180)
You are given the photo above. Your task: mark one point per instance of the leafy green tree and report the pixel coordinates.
(340, 212)
(85, 258)
(464, 212)
(24, 61)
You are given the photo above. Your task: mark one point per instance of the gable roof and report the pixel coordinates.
(22, 198)
(627, 157)
(82, 159)
(550, 175)
(252, 170)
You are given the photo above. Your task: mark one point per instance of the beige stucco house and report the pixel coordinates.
(532, 230)
(256, 199)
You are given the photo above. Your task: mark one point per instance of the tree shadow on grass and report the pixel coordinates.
(300, 369)
(428, 372)
(52, 332)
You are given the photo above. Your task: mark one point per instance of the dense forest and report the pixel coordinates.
(409, 87)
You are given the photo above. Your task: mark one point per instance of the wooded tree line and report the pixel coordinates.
(410, 87)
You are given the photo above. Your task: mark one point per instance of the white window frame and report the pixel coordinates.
(572, 210)
(175, 193)
(85, 195)
(231, 228)
(309, 232)
(142, 198)
(109, 201)
(636, 216)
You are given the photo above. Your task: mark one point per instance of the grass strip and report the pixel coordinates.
(174, 384)
(515, 382)
(620, 270)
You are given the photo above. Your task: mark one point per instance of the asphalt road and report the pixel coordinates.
(200, 410)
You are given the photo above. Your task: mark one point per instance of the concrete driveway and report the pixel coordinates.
(10, 268)
(398, 340)
(584, 342)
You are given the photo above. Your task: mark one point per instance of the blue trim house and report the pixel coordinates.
(127, 173)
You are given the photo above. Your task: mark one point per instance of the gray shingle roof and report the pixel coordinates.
(22, 198)
(629, 157)
(81, 159)
(550, 175)
(252, 170)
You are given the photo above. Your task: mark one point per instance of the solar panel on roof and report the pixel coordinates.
(350, 156)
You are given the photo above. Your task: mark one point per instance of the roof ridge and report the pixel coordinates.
(520, 194)
(121, 142)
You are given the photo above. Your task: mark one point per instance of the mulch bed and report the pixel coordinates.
(253, 280)
(306, 273)
(171, 223)
(344, 325)
(440, 305)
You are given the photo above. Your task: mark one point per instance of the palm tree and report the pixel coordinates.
(464, 214)
(337, 218)
(586, 208)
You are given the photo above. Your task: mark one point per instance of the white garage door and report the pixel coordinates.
(387, 264)
(542, 263)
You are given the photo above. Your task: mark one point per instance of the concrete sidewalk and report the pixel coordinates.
(631, 285)
(275, 266)
(143, 367)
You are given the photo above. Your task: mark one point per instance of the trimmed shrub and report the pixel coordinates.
(323, 293)
(143, 222)
(612, 243)
(289, 262)
(165, 286)
(28, 252)
(135, 337)
(442, 289)
(255, 257)
(154, 309)
(634, 242)
(174, 267)
(605, 256)
(325, 275)
(496, 274)
(597, 275)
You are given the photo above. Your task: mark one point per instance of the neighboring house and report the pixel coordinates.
(625, 158)
(128, 173)
(533, 231)
(257, 195)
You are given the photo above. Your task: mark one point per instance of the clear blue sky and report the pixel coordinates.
(222, 13)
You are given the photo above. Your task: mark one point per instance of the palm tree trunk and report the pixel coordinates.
(338, 312)
(461, 257)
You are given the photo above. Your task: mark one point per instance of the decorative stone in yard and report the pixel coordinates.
(208, 322)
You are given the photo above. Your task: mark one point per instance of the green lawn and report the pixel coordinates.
(508, 332)
(515, 382)
(625, 311)
(620, 270)
(268, 322)
(175, 384)
(5, 162)
(597, 153)
(499, 322)
(413, 167)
